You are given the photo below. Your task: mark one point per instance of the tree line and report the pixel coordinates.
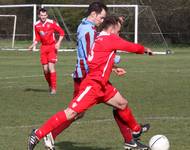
(173, 16)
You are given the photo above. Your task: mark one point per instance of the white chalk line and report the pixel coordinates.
(19, 77)
(28, 76)
(171, 118)
(24, 86)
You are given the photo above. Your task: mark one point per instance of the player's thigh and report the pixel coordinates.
(43, 55)
(52, 54)
(117, 101)
(86, 98)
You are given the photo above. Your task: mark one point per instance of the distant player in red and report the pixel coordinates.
(45, 33)
(96, 87)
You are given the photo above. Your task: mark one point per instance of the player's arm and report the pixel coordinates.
(35, 42)
(123, 45)
(61, 34)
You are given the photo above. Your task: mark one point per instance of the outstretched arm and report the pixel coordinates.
(120, 44)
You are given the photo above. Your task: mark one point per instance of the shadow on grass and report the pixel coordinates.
(66, 145)
(35, 90)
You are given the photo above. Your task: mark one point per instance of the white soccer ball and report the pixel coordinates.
(159, 142)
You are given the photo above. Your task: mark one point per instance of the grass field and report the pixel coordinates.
(157, 88)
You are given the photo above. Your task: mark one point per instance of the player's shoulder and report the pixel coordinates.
(50, 21)
(86, 26)
(37, 23)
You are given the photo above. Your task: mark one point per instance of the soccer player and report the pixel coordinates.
(96, 87)
(86, 33)
(44, 31)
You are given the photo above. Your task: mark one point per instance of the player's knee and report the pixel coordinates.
(123, 104)
(45, 70)
(51, 67)
(70, 114)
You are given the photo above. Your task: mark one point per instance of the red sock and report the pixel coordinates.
(60, 128)
(129, 119)
(52, 123)
(47, 77)
(53, 80)
(124, 129)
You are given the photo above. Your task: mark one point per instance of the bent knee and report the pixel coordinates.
(123, 104)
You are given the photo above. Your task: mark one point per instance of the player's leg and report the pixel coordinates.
(52, 59)
(53, 122)
(125, 124)
(80, 103)
(124, 112)
(124, 129)
(53, 77)
(44, 62)
(58, 130)
(83, 101)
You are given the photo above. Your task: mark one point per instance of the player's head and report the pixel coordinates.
(111, 24)
(42, 14)
(97, 12)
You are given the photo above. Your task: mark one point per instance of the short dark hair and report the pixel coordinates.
(42, 10)
(110, 21)
(97, 7)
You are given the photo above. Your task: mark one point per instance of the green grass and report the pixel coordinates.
(157, 88)
(24, 44)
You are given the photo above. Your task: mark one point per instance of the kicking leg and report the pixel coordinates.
(55, 121)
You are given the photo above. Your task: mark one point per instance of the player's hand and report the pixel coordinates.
(30, 48)
(119, 71)
(57, 45)
(148, 51)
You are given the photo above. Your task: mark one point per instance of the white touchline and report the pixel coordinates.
(17, 77)
(101, 121)
(28, 76)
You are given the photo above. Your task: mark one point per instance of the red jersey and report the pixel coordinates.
(102, 54)
(45, 32)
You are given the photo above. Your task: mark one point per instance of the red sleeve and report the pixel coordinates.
(118, 43)
(58, 29)
(37, 35)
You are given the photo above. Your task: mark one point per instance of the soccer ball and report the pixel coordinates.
(159, 142)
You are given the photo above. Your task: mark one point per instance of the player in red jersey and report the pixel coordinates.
(44, 31)
(96, 87)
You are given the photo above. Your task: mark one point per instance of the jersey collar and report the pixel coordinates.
(85, 21)
(102, 33)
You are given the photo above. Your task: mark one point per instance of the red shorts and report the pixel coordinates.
(91, 93)
(77, 83)
(48, 53)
